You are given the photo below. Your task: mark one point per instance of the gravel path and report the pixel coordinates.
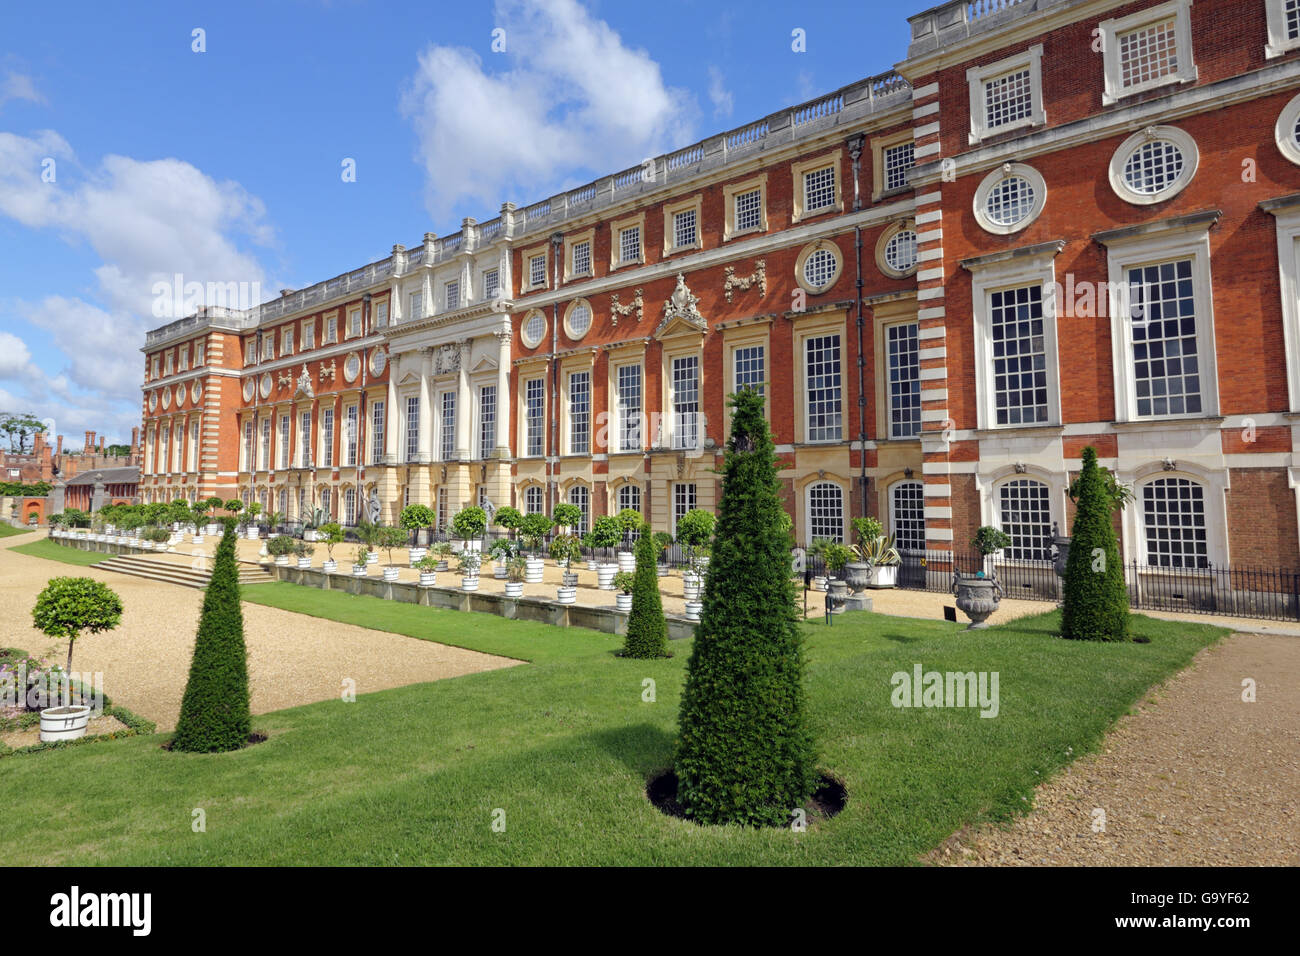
(292, 658)
(1194, 777)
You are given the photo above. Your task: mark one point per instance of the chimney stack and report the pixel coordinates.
(38, 444)
(135, 440)
(58, 448)
(88, 442)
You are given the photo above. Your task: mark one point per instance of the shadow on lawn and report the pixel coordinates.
(642, 748)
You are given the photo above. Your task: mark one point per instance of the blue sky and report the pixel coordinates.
(225, 165)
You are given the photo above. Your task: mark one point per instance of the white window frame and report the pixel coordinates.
(524, 445)
(616, 230)
(892, 501)
(351, 436)
(882, 246)
(996, 177)
(330, 334)
(524, 337)
(568, 319)
(1052, 496)
(1287, 222)
(489, 293)
(570, 446)
(841, 535)
(804, 341)
(1191, 161)
(571, 246)
(447, 424)
(1278, 42)
(286, 340)
(681, 427)
(617, 446)
(304, 439)
(378, 429)
(283, 434)
(671, 212)
(1284, 131)
(834, 160)
(487, 440)
(978, 77)
(1110, 30)
(327, 437)
(451, 302)
(308, 337)
(1149, 249)
(415, 302)
(683, 492)
(731, 193)
(354, 330)
(1009, 273)
(887, 370)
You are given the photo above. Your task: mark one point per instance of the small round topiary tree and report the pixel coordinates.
(469, 523)
(70, 606)
(647, 631)
(534, 528)
(1096, 599)
(415, 518)
(508, 518)
(606, 533)
(744, 751)
(567, 515)
(215, 714)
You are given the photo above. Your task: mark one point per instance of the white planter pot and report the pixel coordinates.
(819, 584)
(623, 602)
(359, 570)
(252, 534)
(304, 564)
(627, 561)
(884, 576)
(428, 579)
(533, 571)
(690, 588)
(661, 570)
(414, 555)
(372, 557)
(176, 526)
(390, 574)
(566, 595)
(514, 589)
(330, 567)
(310, 535)
(693, 609)
(281, 560)
(592, 565)
(469, 582)
(64, 723)
(605, 576)
(197, 539)
(214, 529)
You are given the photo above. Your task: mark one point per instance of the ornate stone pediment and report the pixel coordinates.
(304, 384)
(681, 312)
(446, 359)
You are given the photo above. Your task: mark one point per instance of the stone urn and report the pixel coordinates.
(857, 575)
(839, 593)
(977, 597)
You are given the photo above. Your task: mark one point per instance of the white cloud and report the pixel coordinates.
(19, 86)
(719, 95)
(146, 221)
(567, 95)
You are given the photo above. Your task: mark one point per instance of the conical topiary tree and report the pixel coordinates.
(744, 752)
(647, 632)
(1096, 598)
(214, 710)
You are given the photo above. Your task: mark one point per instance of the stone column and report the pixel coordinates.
(504, 403)
(392, 417)
(463, 442)
(426, 408)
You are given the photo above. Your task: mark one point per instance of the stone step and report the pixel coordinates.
(173, 573)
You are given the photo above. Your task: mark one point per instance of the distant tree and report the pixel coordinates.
(18, 428)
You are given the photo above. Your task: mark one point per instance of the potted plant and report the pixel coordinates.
(250, 525)
(390, 538)
(312, 521)
(567, 516)
(304, 551)
(502, 550)
(837, 557)
(65, 609)
(516, 572)
(508, 518)
(877, 559)
(415, 519)
(589, 548)
(662, 542)
(331, 533)
(629, 523)
(533, 530)
(427, 566)
(274, 519)
(361, 566)
(234, 506)
(442, 550)
(200, 510)
(979, 594)
(623, 582)
(468, 524)
(694, 531)
(565, 549)
(468, 566)
(606, 532)
(280, 547)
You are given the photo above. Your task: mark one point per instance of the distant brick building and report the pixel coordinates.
(947, 278)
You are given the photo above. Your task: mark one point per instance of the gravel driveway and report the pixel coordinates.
(292, 658)
(1195, 777)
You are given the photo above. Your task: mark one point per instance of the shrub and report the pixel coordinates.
(647, 632)
(837, 556)
(629, 520)
(234, 506)
(69, 606)
(868, 529)
(508, 518)
(1096, 599)
(566, 515)
(214, 711)
(517, 568)
(469, 523)
(280, 546)
(744, 751)
(625, 581)
(331, 533)
(989, 540)
(565, 549)
(416, 517)
(606, 532)
(533, 529)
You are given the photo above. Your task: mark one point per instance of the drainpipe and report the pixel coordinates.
(862, 372)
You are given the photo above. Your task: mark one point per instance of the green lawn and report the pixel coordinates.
(45, 548)
(564, 746)
(8, 530)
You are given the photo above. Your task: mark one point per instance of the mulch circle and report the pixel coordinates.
(256, 737)
(830, 797)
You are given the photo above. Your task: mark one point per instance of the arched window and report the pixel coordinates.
(283, 506)
(533, 499)
(1173, 518)
(350, 506)
(580, 495)
(907, 515)
(325, 504)
(1026, 515)
(826, 511)
(629, 496)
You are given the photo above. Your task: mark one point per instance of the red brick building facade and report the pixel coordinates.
(1057, 223)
